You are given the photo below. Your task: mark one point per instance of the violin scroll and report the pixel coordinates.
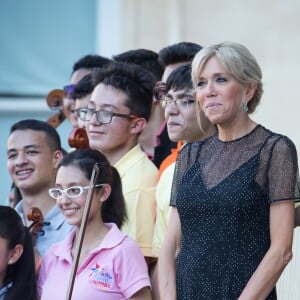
(79, 139)
(54, 101)
(37, 218)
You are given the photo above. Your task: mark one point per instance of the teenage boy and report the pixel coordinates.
(81, 67)
(170, 58)
(117, 113)
(183, 125)
(147, 59)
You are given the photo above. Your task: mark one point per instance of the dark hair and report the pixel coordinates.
(113, 209)
(17, 197)
(177, 53)
(145, 58)
(180, 78)
(133, 80)
(21, 273)
(52, 137)
(90, 61)
(83, 87)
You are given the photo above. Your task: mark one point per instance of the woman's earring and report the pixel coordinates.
(245, 107)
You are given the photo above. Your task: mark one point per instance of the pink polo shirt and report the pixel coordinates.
(115, 270)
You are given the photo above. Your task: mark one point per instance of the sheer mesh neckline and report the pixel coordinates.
(263, 156)
(222, 159)
(240, 138)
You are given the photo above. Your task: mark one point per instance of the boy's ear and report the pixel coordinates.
(137, 125)
(57, 157)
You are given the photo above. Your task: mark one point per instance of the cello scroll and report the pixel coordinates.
(55, 102)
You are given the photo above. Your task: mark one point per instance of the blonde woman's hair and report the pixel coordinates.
(237, 61)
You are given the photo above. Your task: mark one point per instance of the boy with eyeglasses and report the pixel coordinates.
(147, 59)
(179, 104)
(117, 113)
(170, 58)
(81, 68)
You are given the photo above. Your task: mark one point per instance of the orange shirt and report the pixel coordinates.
(170, 158)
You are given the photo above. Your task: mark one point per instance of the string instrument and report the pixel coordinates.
(37, 218)
(79, 238)
(78, 137)
(55, 102)
(36, 228)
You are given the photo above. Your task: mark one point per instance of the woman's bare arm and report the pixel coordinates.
(297, 216)
(279, 254)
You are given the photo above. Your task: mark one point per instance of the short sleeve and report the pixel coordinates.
(283, 176)
(182, 162)
(131, 268)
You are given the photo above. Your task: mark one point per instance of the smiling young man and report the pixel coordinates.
(33, 154)
(117, 113)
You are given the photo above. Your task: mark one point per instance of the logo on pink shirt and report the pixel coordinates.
(100, 278)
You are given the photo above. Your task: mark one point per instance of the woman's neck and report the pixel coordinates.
(235, 130)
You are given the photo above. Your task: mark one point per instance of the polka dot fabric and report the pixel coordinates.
(223, 192)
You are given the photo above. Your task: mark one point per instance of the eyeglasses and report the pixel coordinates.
(69, 89)
(72, 191)
(77, 112)
(103, 116)
(180, 103)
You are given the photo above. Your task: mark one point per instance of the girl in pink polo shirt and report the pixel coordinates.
(111, 265)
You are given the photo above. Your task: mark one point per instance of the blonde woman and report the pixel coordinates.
(233, 193)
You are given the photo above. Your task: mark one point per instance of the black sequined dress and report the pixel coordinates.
(223, 192)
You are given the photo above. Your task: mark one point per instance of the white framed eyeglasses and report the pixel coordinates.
(72, 191)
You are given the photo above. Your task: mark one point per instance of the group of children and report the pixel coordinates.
(134, 113)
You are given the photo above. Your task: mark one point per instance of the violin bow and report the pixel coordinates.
(87, 206)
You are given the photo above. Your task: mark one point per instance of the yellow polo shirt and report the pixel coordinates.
(163, 208)
(139, 177)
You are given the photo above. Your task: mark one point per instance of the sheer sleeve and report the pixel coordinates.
(183, 160)
(282, 172)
